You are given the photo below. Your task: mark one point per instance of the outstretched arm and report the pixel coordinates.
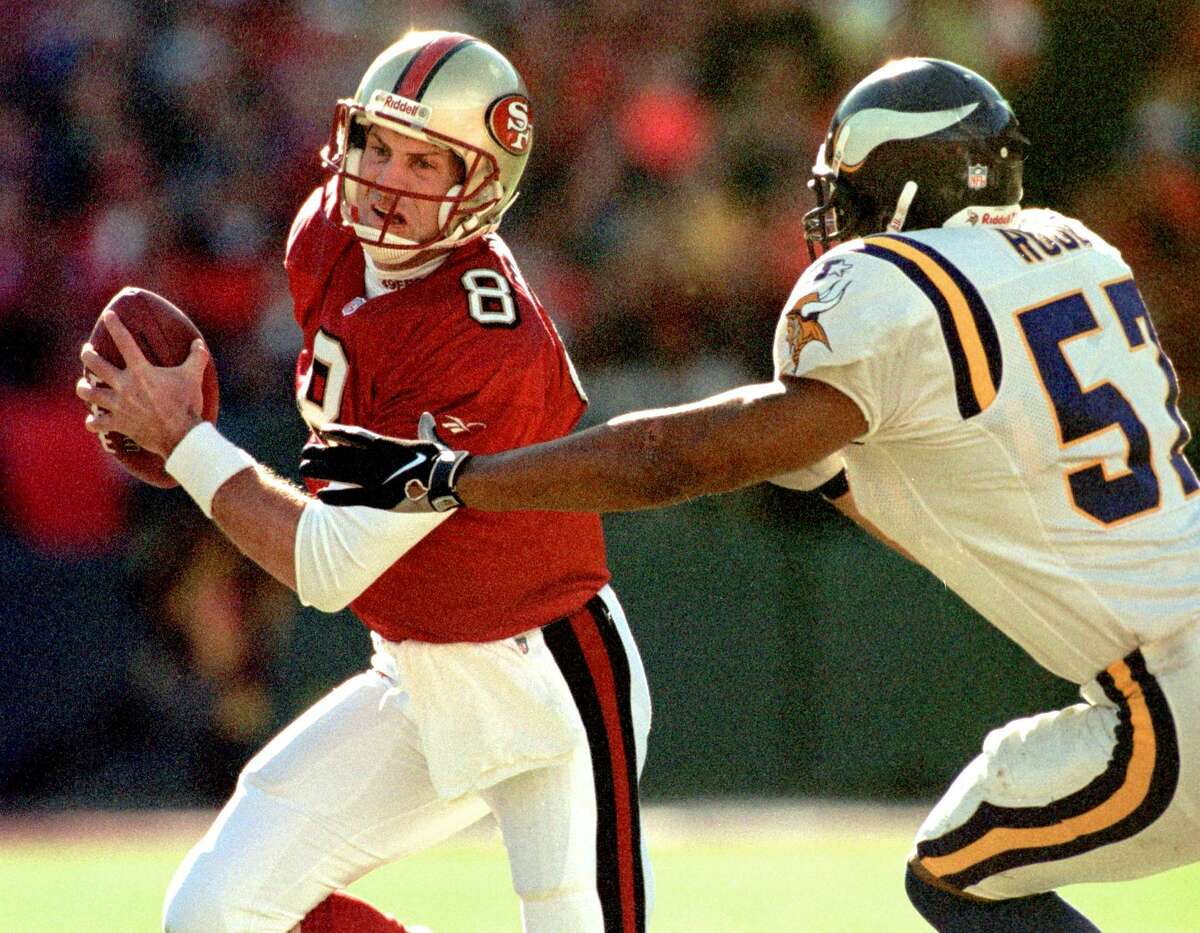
(638, 461)
(655, 458)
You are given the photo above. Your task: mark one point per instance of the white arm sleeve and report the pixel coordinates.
(341, 550)
(812, 476)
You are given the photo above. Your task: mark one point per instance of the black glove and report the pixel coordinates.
(385, 472)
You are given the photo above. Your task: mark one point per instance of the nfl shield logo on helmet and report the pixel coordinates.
(977, 177)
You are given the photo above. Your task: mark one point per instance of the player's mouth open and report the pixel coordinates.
(382, 217)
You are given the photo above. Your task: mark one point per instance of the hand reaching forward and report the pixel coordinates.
(154, 405)
(385, 472)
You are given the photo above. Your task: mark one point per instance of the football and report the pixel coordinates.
(165, 335)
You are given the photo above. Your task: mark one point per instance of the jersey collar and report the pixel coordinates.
(381, 282)
(977, 215)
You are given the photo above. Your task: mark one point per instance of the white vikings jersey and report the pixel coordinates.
(1024, 440)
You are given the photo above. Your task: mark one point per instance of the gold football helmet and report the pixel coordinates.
(450, 90)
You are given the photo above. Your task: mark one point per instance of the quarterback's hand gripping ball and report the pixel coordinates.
(165, 335)
(385, 472)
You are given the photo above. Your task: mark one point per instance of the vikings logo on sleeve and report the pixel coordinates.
(803, 328)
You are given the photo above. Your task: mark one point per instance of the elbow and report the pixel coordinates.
(320, 591)
(325, 602)
(672, 469)
(692, 466)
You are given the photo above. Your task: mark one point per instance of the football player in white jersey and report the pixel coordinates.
(988, 381)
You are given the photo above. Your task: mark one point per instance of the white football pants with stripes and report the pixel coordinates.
(347, 787)
(1105, 790)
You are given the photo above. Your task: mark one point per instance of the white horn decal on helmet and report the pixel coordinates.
(874, 126)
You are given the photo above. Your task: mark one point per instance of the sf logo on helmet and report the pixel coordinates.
(511, 124)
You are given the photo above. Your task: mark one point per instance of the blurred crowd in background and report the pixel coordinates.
(168, 144)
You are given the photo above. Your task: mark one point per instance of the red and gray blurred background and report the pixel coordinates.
(167, 145)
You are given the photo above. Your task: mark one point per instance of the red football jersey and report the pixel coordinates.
(470, 343)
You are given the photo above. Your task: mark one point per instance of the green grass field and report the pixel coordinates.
(718, 867)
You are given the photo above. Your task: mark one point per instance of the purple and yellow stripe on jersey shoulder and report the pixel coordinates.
(970, 334)
(1121, 801)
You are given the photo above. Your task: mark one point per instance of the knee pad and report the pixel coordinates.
(189, 908)
(564, 909)
(204, 897)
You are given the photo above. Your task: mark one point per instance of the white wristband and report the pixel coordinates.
(203, 461)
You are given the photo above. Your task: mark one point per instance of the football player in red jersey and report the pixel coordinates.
(511, 685)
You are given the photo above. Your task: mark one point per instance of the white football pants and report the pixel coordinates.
(1105, 790)
(346, 788)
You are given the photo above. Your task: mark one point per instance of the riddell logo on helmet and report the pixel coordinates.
(511, 124)
(989, 219)
(394, 105)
